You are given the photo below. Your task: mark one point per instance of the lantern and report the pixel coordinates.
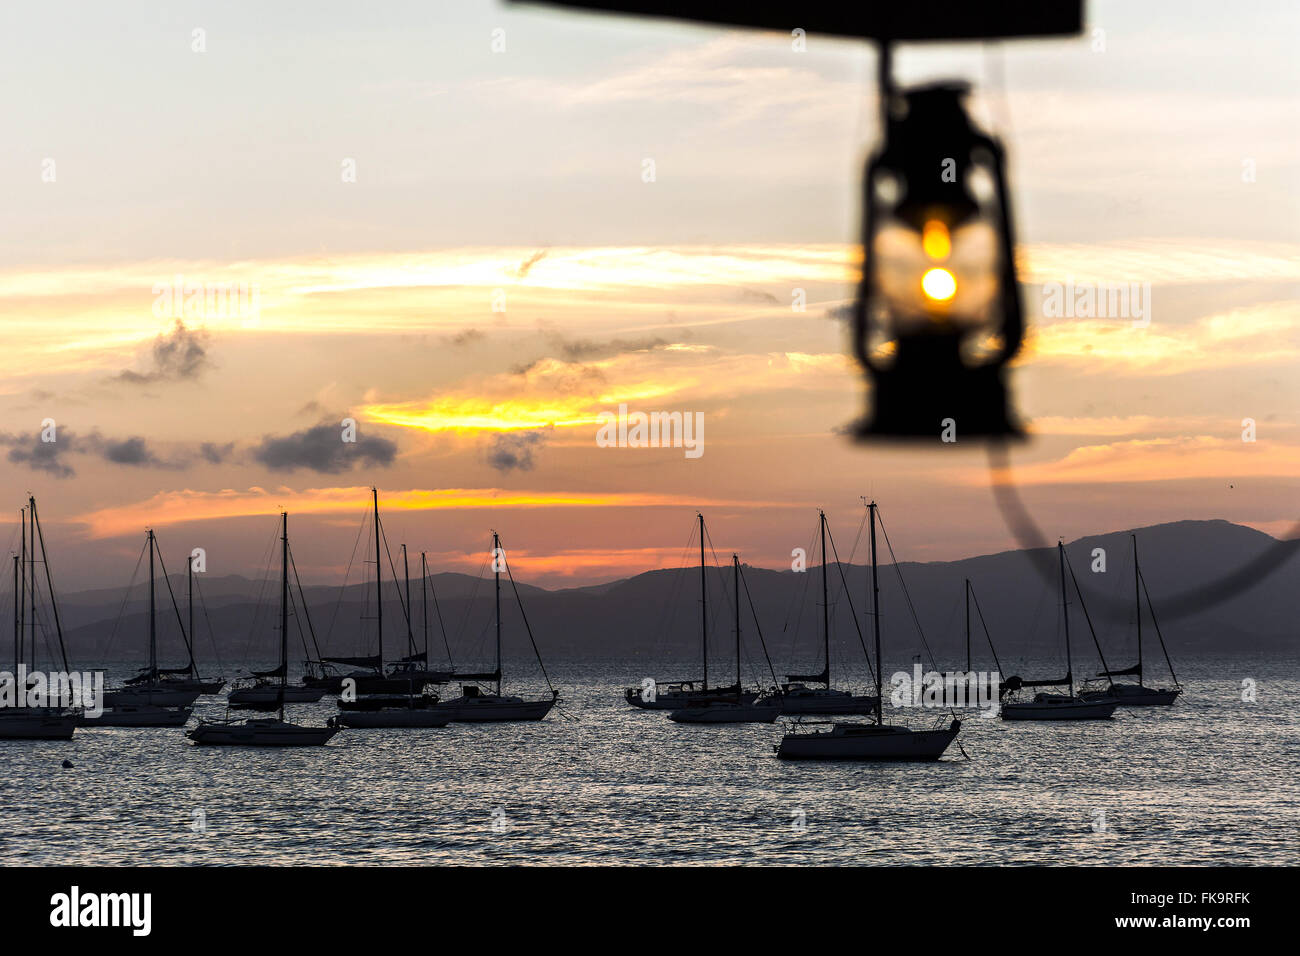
(938, 312)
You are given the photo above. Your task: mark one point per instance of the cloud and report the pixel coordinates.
(215, 454)
(40, 455)
(322, 449)
(181, 507)
(466, 337)
(526, 266)
(127, 451)
(176, 356)
(514, 450)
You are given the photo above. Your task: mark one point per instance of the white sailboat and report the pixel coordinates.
(22, 722)
(674, 695)
(269, 690)
(796, 697)
(862, 741)
(267, 732)
(738, 710)
(150, 688)
(1139, 695)
(1047, 705)
(409, 675)
(474, 706)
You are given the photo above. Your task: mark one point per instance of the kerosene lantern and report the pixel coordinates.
(938, 312)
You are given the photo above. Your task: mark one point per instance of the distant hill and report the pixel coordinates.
(655, 616)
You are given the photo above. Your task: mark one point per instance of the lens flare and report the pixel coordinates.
(935, 240)
(939, 285)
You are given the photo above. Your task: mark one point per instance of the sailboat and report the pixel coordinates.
(265, 731)
(1139, 695)
(370, 677)
(737, 710)
(188, 678)
(21, 722)
(412, 709)
(270, 689)
(474, 706)
(674, 695)
(796, 696)
(1052, 706)
(149, 688)
(874, 741)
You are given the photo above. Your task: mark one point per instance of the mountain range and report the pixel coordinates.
(655, 617)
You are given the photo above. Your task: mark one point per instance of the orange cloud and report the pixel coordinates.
(183, 506)
(1157, 459)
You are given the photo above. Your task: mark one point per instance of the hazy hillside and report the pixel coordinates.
(656, 616)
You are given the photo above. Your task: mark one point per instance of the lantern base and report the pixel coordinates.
(923, 399)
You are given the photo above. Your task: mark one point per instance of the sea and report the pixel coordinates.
(1215, 779)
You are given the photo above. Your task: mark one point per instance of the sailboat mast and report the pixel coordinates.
(704, 608)
(17, 624)
(22, 588)
(1065, 615)
(31, 587)
(153, 624)
(424, 604)
(735, 581)
(284, 608)
(379, 591)
(406, 573)
(826, 619)
(968, 625)
(189, 592)
(496, 566)
(1137, 603)
(875, 616)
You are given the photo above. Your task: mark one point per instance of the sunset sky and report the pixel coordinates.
(498, 274)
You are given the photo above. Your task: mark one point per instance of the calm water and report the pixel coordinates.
(1211, 780)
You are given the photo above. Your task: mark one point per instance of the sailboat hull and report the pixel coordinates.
(728, 713)
(676, 700)
(835, 702)
(868, 742)
(270, 696)
(140, 716)
(260, 733)
(151, 695)
(1060, 708)
(391, 717)
(36, 723)
(1134, 695)
(487, 708)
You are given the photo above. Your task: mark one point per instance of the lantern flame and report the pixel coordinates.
(939, 285)
(935, 240)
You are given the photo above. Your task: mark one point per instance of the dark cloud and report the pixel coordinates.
(589, 350)
(40, 455)
(129, 451)
(132, 451)
(321, 448)
(758, 295)
(466, 337)
(514, 450)
(215, 454)
(526, 266)
(178, 355)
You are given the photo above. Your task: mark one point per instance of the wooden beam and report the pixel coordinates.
(903, 20)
